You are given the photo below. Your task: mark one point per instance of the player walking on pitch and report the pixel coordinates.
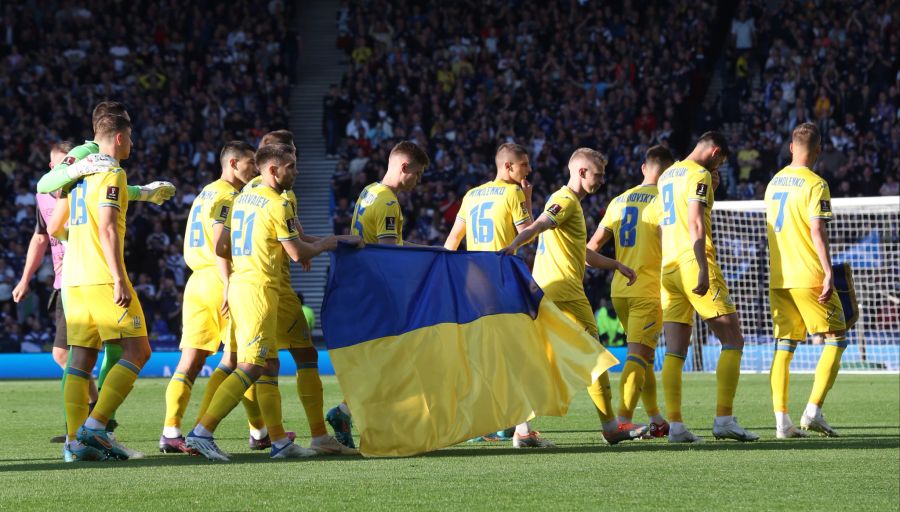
(801, 281)
(560, 264)
(692, 281)
(490, 217)
(631, 221)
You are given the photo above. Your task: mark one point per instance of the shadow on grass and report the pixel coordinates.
(874, 442)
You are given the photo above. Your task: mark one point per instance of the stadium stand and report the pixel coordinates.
(191, 76)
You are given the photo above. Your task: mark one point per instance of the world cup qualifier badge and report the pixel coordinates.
(390, 223)
(69, 160)
(825, 206)
(701, 189)
(554, 209)
(112, 193)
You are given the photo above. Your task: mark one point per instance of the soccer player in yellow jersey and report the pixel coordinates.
(631, 221)
(490, 217)
(101, 303)
(560, 264)
(801, 283)
(492, 214)
(262, 230)
(377, 217)
(692, 281)
(294, 336)
(203, 313)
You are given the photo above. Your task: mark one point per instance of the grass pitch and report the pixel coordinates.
(858, 471)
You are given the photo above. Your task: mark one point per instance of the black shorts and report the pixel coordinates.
(55, 305)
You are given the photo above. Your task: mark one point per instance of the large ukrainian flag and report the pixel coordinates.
(434, 347)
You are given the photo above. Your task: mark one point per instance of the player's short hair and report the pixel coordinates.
(510, 147)
(277, 137)
(660, 156)
(111, 124)
(716, 140)
(234, 149)
(806, 135)
(591, 154)
(62, 146)
(280, 153)
(412, 151)
(105, 108)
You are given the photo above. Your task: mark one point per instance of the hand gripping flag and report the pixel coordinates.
(434, 347)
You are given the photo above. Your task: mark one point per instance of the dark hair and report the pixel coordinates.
(411, 150)
(277, 137)
(659, 155)
(715, 139)
(105, 108)
(512, 147)
(806, 135)
(234, 149)
(281, 153)
(110, 125)
(63, 146)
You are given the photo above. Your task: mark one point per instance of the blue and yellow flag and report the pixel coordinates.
(432, 347)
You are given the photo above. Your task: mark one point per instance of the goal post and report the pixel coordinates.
(863, 233)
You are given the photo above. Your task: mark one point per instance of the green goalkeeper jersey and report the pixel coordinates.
(57, 178)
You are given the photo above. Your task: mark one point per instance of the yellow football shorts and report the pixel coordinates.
(579, 311)
(679, 302)
(254, 321)
(92, 317)
(797, 311)
(641, 317)
(204, 327)
(292, 329)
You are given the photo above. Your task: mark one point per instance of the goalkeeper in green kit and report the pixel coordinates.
(81, 161)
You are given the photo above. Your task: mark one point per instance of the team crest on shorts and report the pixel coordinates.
(112, 193)
(701, 189)
(390, 223)
(554, 209)
(137, 322)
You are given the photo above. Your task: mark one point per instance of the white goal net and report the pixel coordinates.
(864, 233)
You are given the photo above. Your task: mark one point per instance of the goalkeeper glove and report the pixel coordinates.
(157, 192)
(91, 164)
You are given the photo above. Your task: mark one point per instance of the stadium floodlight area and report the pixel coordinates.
(864, 233)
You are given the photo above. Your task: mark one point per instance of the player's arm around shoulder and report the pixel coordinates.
(543, 223)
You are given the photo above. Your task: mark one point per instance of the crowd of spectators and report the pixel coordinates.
(834, 66)
(459, 78)
(192, 76)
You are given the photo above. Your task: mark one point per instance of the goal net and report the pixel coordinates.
(864, 232)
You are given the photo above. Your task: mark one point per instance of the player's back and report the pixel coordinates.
(683, 182)
(211, 206)
(632, 219)
(377, 215)
(491, 212)
(794, 197)
(559, 263)
(260, 221)
(85, 261)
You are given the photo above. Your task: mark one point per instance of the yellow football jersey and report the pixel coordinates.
(84, 262)
(681, 183)
(377, 215)
(632, 219)
(212, 206)
(559, 264)
(491, 213)
(795, 196)
(261, 220)
(291, 198)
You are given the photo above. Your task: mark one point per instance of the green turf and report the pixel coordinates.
(859, 470)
